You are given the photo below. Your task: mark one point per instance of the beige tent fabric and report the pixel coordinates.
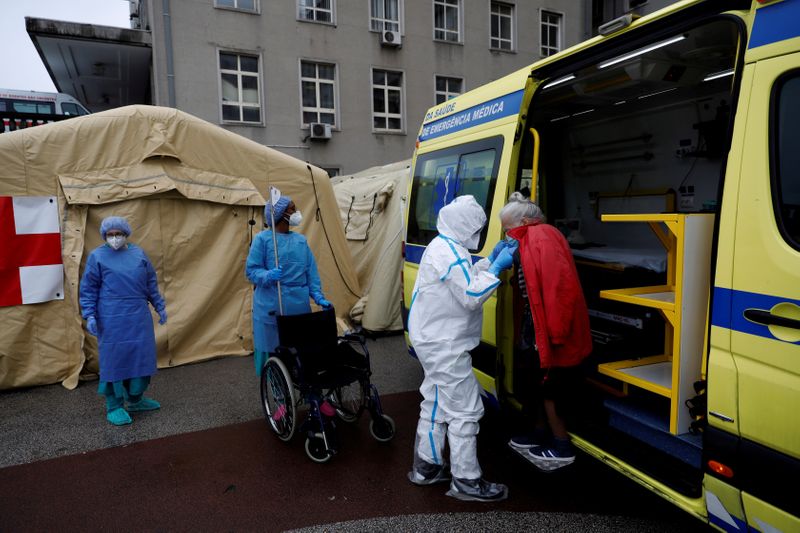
(372, 206)
(194, 195)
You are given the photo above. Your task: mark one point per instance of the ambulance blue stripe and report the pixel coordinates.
(730, 305)
(482, 113)
(776, 22)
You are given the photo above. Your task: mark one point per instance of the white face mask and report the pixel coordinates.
(295, 218)
(472, 242)
(116, 241)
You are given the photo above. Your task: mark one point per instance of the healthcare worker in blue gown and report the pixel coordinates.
(118, 283)
(296, 271)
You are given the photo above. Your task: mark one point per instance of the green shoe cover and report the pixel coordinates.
(145, 404)
(119, 417)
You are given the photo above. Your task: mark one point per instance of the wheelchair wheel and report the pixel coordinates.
(277, 398)
(382, 429)
(316, 451)
(350, 400)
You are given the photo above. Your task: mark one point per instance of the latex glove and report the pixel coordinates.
(91, 325)
(505, 259)
(323, 303)
(162, 316)
(275, 274)
(499, 247)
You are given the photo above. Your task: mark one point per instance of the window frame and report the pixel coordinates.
(774, 156)
(459, 31)
(400, 13)
(513, 26)
(386, 114)
(448, 77)
(336, 126)
(560, 26)
(259, 79)
(332, 22)
(495, 142)
(255, 11)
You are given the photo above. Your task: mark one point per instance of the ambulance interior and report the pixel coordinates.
(631, 156)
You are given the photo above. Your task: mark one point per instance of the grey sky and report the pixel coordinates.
(20, 64)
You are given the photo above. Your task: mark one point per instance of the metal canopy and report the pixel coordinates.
(102, 66)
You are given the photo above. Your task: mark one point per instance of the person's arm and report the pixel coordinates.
(471, 285)
(255, 269)
(153, 295)
(312, 278)
(90, 287)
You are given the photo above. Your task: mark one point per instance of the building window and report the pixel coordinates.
(447, 20)
(385, 15)
(387, 100)
(240, 87)
(502, 26)
(447, 88)
(244, 5)
(550, 32)
(315, 10)
(318, 88)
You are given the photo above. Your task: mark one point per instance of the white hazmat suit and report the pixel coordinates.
(444, 323)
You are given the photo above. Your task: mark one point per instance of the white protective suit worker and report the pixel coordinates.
(444, 324)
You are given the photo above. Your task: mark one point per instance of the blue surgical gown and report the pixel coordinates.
(115, 288)
(299, 282)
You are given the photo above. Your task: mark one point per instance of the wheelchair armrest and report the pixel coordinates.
(285, 350)
(354, 337)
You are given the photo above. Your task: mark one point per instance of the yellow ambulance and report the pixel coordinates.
(667, 151)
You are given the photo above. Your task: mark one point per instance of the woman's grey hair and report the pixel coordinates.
(519, 207)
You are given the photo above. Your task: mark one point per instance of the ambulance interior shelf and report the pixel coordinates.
(682, 301)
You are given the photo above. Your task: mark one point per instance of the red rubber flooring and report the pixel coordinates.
(241, 477)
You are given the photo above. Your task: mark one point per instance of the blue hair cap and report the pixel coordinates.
(280, 206)
(117, 223)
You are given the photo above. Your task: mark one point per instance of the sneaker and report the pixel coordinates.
(119, 417)
(549, 458)
(429, 474)
(477, 490)
(525, 442)
(145, 404)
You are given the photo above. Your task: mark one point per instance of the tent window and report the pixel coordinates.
(240, 87)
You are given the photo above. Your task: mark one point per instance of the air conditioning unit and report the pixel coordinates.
(391, 38)
(320, 130)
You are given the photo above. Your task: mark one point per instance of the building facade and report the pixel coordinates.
(343, 84)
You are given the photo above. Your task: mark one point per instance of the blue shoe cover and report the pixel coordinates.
(119, 417)
(145, 404)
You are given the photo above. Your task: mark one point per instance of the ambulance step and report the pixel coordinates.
(650, 424)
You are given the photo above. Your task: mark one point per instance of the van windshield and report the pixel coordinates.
(442, 175)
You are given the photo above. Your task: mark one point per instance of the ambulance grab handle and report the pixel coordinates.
(761, 316)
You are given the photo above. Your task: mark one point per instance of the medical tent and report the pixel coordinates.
(194, 196)
(372, 206)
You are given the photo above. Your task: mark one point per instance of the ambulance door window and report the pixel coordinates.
(786, 185)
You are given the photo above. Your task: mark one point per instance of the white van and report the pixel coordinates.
(23, 109)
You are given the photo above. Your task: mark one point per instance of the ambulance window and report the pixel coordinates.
(69, 109)
(786, 177)
(442, 175)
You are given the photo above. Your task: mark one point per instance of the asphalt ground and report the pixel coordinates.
(208, 462)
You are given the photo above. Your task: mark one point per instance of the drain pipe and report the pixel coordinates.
(168, 49)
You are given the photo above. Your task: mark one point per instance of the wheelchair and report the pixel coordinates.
(330, 375)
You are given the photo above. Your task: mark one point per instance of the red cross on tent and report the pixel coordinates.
(31, 269)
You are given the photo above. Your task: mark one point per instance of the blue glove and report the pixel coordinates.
(499, 247)
(275, 274)
(325, 304)
(91, 325)
(504, 261)
(162, 315)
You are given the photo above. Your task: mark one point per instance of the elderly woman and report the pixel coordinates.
(554, 330)
(296, 271)
(117, 285)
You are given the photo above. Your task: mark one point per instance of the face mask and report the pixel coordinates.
(295, 218)
(116, 242)
(472, 242)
